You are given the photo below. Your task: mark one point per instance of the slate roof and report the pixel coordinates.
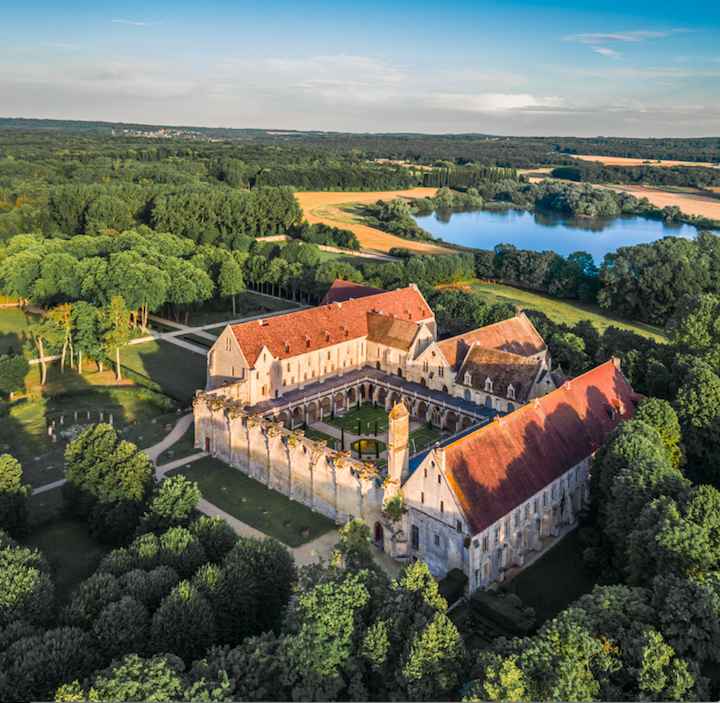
(301, 332)
(340, 291)
(502, 369)
(392, 331)
(514, 336)
(504, 463)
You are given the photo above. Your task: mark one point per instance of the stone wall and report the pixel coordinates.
(327, 481)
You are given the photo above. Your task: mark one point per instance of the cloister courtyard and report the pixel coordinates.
(350, 413)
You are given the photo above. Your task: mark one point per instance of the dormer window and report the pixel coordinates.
(468, 380)
(488, 385)
(287, 346)
(307, 341)
(327, 335)
(511, 392)
(344, 329)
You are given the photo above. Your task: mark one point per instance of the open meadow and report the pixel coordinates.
(558, 310)
(327, 208)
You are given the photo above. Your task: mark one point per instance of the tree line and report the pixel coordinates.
(678, 176)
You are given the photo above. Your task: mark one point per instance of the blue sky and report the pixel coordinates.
(646, 69)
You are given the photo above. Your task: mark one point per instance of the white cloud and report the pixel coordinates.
(491, 78)
(64, 47)
(636, 36)
(607, 52)
(139, 24)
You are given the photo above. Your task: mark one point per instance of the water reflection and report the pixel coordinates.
(546, 229)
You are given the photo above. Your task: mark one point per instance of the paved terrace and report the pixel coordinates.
(352, 379)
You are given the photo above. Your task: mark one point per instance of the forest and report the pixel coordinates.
(103, 231)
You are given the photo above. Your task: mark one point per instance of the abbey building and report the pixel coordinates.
(348, 404)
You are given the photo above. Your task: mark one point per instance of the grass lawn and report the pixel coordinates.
(179, 372)
(554, 581)
(569, 312)
(422, 438)
(24, 428)
(14, 332)
(318, 436)
(73, 555)
(367, 415)
(184, 447)
(238, 485)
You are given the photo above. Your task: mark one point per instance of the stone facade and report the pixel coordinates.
(480, 501)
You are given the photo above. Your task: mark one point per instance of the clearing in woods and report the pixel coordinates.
(326, 208)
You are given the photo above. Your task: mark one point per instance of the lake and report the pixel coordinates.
(546, 230)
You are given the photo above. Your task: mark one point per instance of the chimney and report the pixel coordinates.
(616, 362)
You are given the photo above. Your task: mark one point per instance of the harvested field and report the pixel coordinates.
(325, 208)
(691, 202)
(622, 161)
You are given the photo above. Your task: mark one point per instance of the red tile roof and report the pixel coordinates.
(391, 331)
(498, 467)
(515, 336)
(340, 291)
(502, 369)
(297, 333)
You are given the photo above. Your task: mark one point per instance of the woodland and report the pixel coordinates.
(101, 231)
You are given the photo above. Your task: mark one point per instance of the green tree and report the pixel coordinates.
(122, 627)
(131, 679)
(13, 372)
(184, 624)
(434, 662)
(216, 536)
(26, 590)
(109, 469)
(115, 320)
(34, 667)
(354, 544)
(694, 328)
(90, 598)
(660, 414)
(13, 497)
(175, 501)
(314, 659)
(698, 408)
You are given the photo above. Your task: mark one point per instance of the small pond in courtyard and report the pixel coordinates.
(368, 447)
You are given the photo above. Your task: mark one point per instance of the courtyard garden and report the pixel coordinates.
(319, 436)
(363, 420)
(253, 503)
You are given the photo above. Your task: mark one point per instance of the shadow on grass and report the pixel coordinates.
(554, 581)
(73, 555)
(258, 497)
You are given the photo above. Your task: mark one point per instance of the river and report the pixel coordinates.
(546, 230)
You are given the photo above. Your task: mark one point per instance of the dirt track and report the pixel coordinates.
(322, 207)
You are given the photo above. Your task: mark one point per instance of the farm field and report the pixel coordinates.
(623, 161)
(326, 208)
(691, 202)
(569, 312)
